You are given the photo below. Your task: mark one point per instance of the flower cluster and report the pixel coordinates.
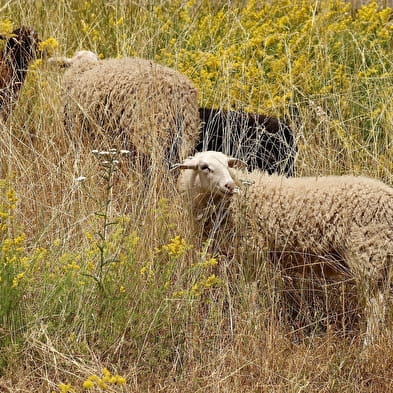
(204, 279)
(176, 247)
(94, 381)
(48, 46)
(102, 382)
(6, 27)
(271, 57)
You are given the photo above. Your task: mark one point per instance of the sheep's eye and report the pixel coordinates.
(205, 168)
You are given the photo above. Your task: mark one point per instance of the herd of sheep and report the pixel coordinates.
(243, 163)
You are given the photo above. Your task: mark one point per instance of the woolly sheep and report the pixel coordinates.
(19, 50)
(339, 225)
(145, 107)
(263, 142)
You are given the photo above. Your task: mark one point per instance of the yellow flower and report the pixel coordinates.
(66, 388)
(119, 379)
(72, 266)
(17, 279)
(120, 21)
(176, 247)
(207, 263)
(11, 196)
(6, 28)
(89, 236)
(212, 281)
(56, 243)
(147, 272)
(19, 239)
(178, 294)
(88, 384)
(49, 45)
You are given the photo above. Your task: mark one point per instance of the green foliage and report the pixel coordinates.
(15, 265)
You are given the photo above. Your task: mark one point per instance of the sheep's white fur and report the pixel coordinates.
(139, 105)
(79, 57)
(338, 224)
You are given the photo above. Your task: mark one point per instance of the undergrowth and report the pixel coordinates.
(104, 282)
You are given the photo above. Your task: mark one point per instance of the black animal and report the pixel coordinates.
(19, 50)
(263, 142)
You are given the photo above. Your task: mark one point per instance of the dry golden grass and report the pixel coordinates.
(160, 324)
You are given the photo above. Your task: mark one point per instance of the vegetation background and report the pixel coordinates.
(104, 284)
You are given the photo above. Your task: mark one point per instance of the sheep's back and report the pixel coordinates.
(136, 100)
(316, 214)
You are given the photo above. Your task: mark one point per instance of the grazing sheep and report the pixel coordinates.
(335, 226)
(263, 142)
(19, 50)
(139, 105)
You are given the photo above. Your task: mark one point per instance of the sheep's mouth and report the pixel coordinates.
(228, 193)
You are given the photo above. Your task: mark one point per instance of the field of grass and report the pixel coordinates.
(105, 285)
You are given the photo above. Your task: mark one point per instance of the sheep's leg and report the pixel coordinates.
(375, 313)
(370, 256)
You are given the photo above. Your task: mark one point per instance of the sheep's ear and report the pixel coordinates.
(236, 163)
(188, 163)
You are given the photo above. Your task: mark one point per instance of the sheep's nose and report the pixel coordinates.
(230, 187)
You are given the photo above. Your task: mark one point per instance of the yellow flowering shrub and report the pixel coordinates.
(202, 278)
(48, 46)
(16, 264)
(176, 247)
(6, 27)
(106, 379)
(272, 56)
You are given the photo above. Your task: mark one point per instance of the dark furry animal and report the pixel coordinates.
(19, 51)
(262, 142)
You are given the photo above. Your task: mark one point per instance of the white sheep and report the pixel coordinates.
(335, 225)
(131, 103)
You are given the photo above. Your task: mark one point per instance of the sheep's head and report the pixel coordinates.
(82, 56)
(21, 47)
(210, 173)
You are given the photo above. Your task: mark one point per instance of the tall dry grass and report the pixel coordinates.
(146, 297)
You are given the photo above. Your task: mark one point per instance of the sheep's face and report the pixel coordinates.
(211, 172)
(84, 55)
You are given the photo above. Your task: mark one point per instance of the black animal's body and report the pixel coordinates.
(19, 50)
(261, 141)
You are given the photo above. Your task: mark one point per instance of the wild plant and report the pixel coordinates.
(109, 162)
